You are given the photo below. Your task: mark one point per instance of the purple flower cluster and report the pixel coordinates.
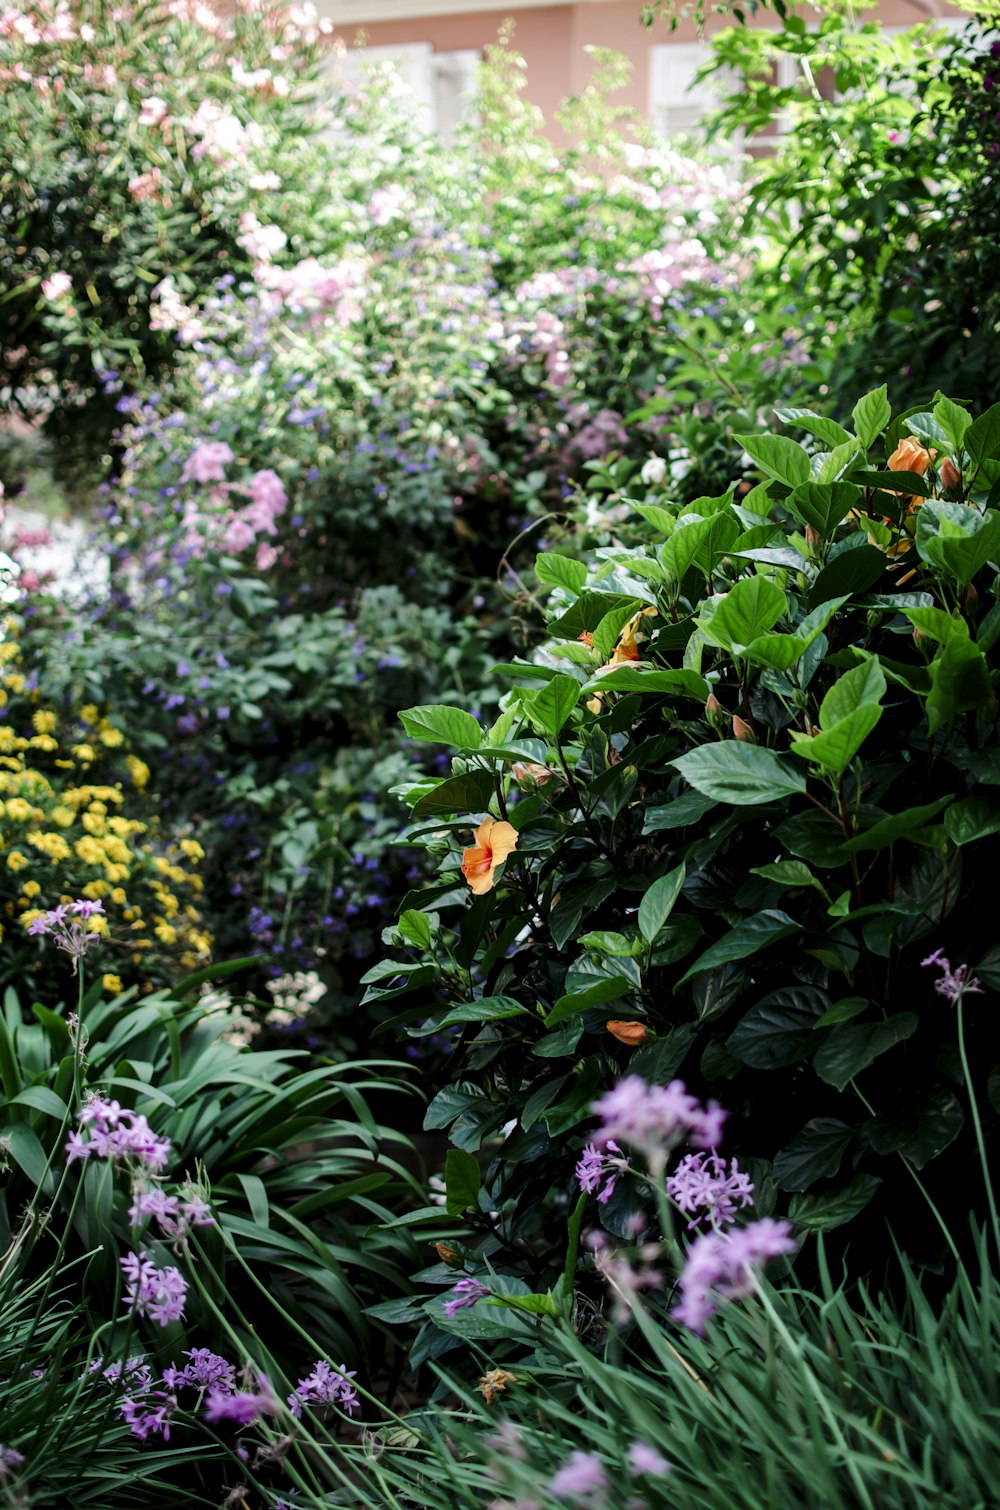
(467, 1293)
(325, 1386)
(206, 1370)
(243, 1407)
(157, 1293)
(118, 1135)
(174, 1215)
(10, 1460)
(598, 1172)
(720, 1266)
(62, 924)
(703, 1185)
(953, 984)
(657, 1117)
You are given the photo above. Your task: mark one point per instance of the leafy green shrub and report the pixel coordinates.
(749, 779)
(125, 195)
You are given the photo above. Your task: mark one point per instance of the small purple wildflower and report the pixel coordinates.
(467, 1293)
(144, 1417)
(206, 1370)
(720, 1267)
(581, 1474)
(954, 984)
(645, 1459)
(174, 1216)
(134, 1373)
(244, 1407)
(701, 1185)
(156, 1293)
(598, 1172)
(10, 1461)
(69, 936)
(657, 1116)
(122, 1136)
(326, 1385)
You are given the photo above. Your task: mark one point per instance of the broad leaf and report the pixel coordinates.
(658, 903)
(852, 572)
(852, 1046)
(982, 439)
(550, 707)
(485, 1009)
(752, 607)
(747, 938)
(461, 1181)
(813, 1154)
(824, 504)
(871, 414)
(739, 773)
(957, 538)
(779, 1031)
(469, 793)
(437, 723)
(560, 571)
(833, 1208)
(777, 457)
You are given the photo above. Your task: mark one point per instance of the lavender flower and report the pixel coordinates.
(701, 1185)
(581, 1474)
(645, 1459)
(467, 1293)
(594, 1168)
(720, 1267)
(69, 935)
(327, 1386)
(174, 1215)
(121, 1136)
(954, 984)
(144, 1417)
(10, 1461)
(242, 1408)
(657, 1116)
(206, 1370)
(156, 1293)
(135, 1373)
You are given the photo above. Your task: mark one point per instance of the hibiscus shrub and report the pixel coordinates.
(732, 812)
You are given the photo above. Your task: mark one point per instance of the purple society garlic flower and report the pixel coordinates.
(657, 1116)
(598, 1172)
(467, 1293)
(152, 1413)
(645, 1459)
(326, 1385)
(206, 1370)
(62, 925)
(10, 1461)
(174, 1215)
(953, 984)
(581, 1474)
(119, 1135)
(157, 1293)
(242, 1408)
(702, 1186)
(720, 1266)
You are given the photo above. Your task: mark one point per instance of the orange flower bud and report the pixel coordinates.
(530, 774)
(910, 456)
(712, 705)
(951, 477)
(628, 1032)
(447, 1255)
(813, 537)
(743, 730)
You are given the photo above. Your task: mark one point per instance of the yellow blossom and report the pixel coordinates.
(138, 770)
(111, 983)
(118, 896)
(54, 846)
(43, 722)
(15, 681)
(96, 889)
(63, 816)
(111, 736)
(31, 889)
(89, 713)
(192, 849)
(165, 933)
(84, 753)
(17, 861)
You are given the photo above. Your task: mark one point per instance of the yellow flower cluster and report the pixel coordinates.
(69, 827)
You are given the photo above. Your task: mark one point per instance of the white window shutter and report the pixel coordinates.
(455, 78)
(676, 103)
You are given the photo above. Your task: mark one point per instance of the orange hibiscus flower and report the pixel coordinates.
(494, 842)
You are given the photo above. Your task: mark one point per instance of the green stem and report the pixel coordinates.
(977, 1122)
(573, 1248)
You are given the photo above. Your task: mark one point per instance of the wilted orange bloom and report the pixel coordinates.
(628, 1032)
(494, 842)
(910, 456)
(493, 1382)
(587, 638)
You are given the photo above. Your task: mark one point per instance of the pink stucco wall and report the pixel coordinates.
(552, 39)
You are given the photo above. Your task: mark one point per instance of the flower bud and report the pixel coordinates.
(448, 1255)
(529, 774)
(813, 537)
(743, 730)
(715, 713)
(951, 477)
(970, 596)
(628, 1032)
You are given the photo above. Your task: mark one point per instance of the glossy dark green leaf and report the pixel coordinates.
(739, 773)
(747, 938)
(778, 1031)
(813, 1154)
(485, 1009)
(436, 723)
(871, 414)
(850, 1047)
(899, 826)
(658, 903)
(827, 1209)
(852, 572)
(461, 1181)
(777, 457)
(468, 793)
(973, 818)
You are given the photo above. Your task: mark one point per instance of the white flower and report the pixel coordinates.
(654, 471)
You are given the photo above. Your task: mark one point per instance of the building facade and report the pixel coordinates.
(438, 43)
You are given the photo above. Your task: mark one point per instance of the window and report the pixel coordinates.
(442, 84)
(676, 103)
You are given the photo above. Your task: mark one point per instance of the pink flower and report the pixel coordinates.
(146, 185)
(206, 462)
(238, 535)
(581, 1474)
(56, 286)
(153, 111)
